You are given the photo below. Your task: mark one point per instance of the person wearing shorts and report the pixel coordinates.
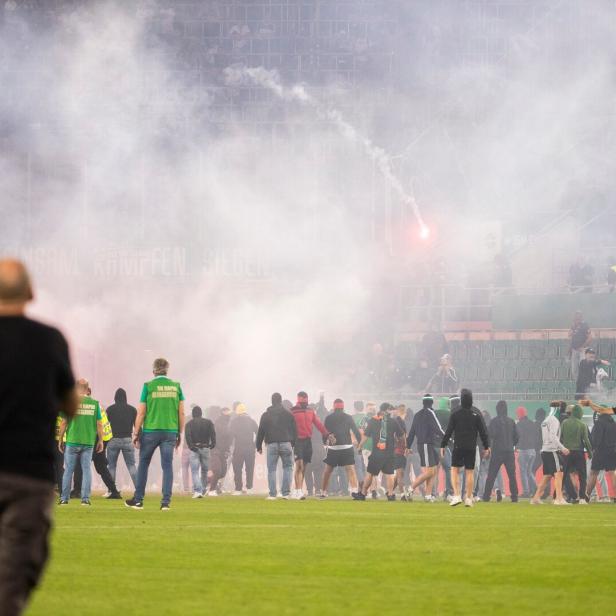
(427, 430)
(551, 451)
(305, 418)
(341, 426)
(465, 424)
(383, 429)
(603, 440)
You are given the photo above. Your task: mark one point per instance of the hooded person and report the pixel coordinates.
(552, 451)
(576, 438)
(384, 430)
(242, 431)
(504, 437)
(305, 419)
(603, 439)
(429, 433)
(121, 417)
(278, 430)
(200, 439)
(465, 425)
(527, 447)
(219, 455)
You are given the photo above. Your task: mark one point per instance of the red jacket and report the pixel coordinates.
(304, 418)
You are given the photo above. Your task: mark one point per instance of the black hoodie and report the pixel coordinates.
(502, 430)
(121, 416)
(465, 424)
(603, 436)
(277, 425)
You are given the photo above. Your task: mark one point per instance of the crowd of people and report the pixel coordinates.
(441, 451)
(389, 450)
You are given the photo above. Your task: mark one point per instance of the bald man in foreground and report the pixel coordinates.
(36, 383)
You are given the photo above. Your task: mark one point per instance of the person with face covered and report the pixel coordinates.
(504, 437)
(383, 430)
(465, 425)
(305, 419)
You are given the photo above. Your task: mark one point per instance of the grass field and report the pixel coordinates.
(245, 555)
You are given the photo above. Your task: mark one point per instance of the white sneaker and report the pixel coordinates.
(583, 501)
(536, 502)
(237, 493)
(197, 495)
(429, 498)
(213, 493)
(468, 502)
(476, 499)
(560, 502)
(286, 496)
(250, 492)
(107, 494)
(449, 498)
(456, 500)
(270, 498)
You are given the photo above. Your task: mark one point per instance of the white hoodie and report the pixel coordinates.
(550, 434)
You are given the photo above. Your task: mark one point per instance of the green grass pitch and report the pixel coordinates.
(244, 555)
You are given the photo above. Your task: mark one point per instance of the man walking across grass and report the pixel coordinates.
(277, 428)
(161, 415)
(83, 431)
(575, 438)
(36, 384)
(305, 419)
(552, 451)
(465, 425)
(200, 436)
(341, 425)
(427, 429)
(383, 430)
(603, 439)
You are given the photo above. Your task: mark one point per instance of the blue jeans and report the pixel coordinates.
(150, 441)
(446, 464)
(125, 446)
(199, 461)
(284, 451)
(71, 453)
(526, 459)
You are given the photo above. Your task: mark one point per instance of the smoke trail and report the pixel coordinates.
(237, 74)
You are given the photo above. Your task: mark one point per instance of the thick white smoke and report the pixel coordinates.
(235, 75)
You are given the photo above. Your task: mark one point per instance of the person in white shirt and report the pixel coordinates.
(551, 451)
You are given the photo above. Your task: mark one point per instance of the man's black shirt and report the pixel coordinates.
(393, 430)
(121, 416)
(587, 374)
(341, 424)
(35, 376)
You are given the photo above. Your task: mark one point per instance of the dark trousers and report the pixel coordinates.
(25, 521)
(243, 458)
(58, 464)
(575, 462)
(101, 467)
(218, 466)
(497, 459)
(314, 476)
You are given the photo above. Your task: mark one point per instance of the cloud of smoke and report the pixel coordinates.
(270, 79)
(161, 218)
